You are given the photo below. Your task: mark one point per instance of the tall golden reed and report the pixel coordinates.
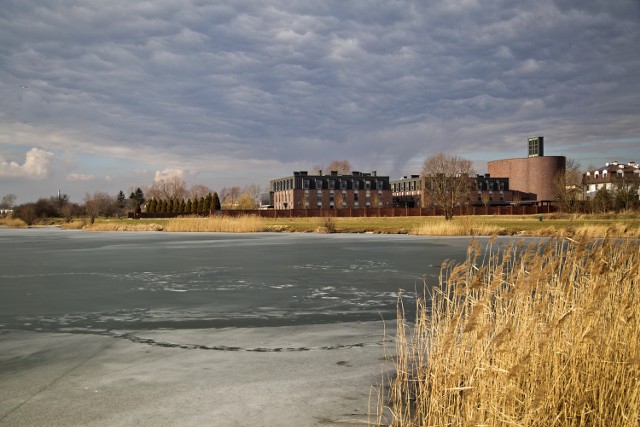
(458, 226)
(242, 224)
(546, 334)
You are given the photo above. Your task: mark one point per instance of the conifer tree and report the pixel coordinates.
(151, 205)
(201, 206)
(194, 206)
(216, 202)
(207, 203)
(120, 199)
(188, 209)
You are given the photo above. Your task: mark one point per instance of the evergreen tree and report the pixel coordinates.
(153, 205)
(201, 209)
(182, 208)
(188, 209)
(120, 198)
(194, 206)
(139, 196)
(216, 202)
(207, 203)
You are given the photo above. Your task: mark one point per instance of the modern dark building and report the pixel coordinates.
(332, 191)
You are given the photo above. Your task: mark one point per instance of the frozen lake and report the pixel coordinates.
(148, 329)
(54, 280)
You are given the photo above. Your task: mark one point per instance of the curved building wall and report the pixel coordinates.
(530, 175)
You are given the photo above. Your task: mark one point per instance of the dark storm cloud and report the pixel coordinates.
(384, 83)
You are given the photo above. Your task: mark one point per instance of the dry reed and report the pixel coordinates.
(458, 226)
(115, 226)
(542, 335)
(242, 224)
(9, 221)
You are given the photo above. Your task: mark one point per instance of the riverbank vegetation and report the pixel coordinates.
(547, 334)
(549, 225)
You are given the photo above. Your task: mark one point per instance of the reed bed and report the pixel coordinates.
(9, 221)
(540, 335)
(242, 224)
(116, 226)
(618, 230)
(458, 226)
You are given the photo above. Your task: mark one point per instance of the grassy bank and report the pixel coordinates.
(551, 225)
(573, 226)
(544, 335)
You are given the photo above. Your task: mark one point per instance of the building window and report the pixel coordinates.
(343, 184)
(356, 185)
(305, 184)
(367, 185)
(319, 184)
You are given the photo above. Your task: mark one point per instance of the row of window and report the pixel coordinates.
(342, 184)
(406, 186)
(329, 184)
(501, 198)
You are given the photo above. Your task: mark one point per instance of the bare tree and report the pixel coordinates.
(167, 188)
(8, 201)
(254, 191)
(229, 196)
(343, 167)
(516, 198)
(567, 186)
(198, 190)
(245, 202)
(485, 199)
(99, 204)
(338, 200)
(446, 182)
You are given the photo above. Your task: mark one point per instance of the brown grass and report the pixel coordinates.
(243, 224)
(9, 221)
(74, 225)
(544, 335)
(118, 226)
(458, 226)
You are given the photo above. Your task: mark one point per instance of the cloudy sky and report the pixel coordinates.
(110, 95)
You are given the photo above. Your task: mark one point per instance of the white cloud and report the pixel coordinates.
(168, 174)
(75, 176)
(36, 165)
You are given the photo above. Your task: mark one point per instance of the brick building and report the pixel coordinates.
(611, 177)
(535, 174)
(332, 191)
(483, 190)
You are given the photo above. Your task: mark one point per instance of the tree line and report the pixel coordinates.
(195, 206)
